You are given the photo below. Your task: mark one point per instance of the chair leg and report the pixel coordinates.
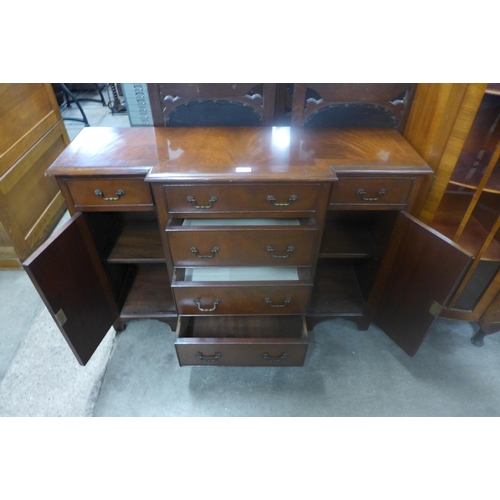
(478, 338)
(70, 97)
(98, 89)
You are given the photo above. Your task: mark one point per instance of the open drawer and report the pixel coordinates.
(241, 290)
(241, 340)
(242, 242)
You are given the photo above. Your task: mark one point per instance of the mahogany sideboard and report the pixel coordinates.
(242, 239)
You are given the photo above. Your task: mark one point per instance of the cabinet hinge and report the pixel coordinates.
(435, 309)
(61, 317)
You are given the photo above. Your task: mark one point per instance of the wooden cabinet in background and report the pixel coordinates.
(456, 128)
(32, 135)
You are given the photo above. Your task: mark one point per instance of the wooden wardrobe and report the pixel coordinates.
(32, 135)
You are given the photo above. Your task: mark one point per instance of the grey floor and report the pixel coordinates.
(135, 373)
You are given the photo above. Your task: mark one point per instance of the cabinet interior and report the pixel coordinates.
(351, 248)
(129, 246)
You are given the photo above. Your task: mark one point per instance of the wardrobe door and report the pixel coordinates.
(420, 271)
(69, 276)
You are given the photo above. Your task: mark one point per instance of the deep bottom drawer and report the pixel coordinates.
(241, 341)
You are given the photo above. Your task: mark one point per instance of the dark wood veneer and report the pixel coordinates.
(75, 287)
(433, 265)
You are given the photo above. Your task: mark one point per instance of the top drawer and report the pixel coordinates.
(208, 199)
(110, 194)
(371, 192)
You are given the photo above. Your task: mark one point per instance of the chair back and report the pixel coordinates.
(379, 105)
(212, 104)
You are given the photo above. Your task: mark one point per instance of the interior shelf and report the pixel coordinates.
(470, 177)
(480, 145)
(493, 184)
(336, 291)
(150, 295)
(493, 89)
(472, 237)
(348, 241)
(139, 241)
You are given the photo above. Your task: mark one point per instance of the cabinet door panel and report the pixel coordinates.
(419, 274)
(69, 276)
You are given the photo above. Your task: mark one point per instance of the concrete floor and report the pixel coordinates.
(347, 372)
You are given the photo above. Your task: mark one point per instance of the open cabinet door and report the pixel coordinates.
(69, 276)
(419, 274)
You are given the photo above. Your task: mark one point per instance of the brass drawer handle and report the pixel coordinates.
(289, 250)
(211, 256)
(117, 196)
(285, 302)
(198, 303)
(272, 199)
(362, 193)
(281, 357)
(211, 201)
(208, 359)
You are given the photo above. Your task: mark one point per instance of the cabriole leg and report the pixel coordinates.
(478, 338)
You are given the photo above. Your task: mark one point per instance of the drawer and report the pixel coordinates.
(242, 290)
(208, 199)
(110, 194)
(241, 341)
(371, 192)
(230, 242)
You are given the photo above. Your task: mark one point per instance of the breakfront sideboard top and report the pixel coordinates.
(253, 153)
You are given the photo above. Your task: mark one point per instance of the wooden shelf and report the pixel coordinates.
(139, 241)
(467, 176)
(471, 239)
(480, 145)
(336, 291)
(493, 184)
(150, 295)
(453, 207)
(348, 241)
(493, 89)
